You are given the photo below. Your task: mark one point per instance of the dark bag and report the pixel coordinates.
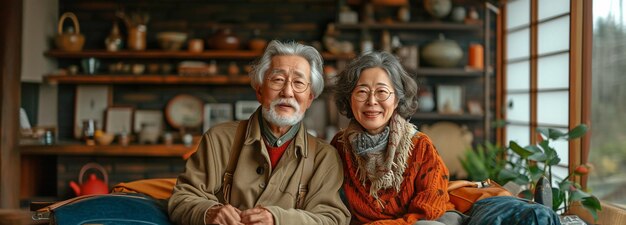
(507, 210)
(131, 209)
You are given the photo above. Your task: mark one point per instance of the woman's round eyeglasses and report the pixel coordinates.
(363, 94)
(277, 83)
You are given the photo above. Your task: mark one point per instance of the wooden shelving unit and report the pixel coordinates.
(161, 54)
(448, 72)
(146, 79)
(413, 26)
(106, 150)
(441, 116)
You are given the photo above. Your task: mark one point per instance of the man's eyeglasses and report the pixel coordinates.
(381, 94)
(277, 83)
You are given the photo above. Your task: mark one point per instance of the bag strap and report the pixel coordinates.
(44, 213)
(456, 184)
(232, 161)
(307, 171)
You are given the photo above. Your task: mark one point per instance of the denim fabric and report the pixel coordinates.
(507, 210)
(111, 209)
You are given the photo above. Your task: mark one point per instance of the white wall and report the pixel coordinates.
(40, 20)
(39, 29)
(47, 115)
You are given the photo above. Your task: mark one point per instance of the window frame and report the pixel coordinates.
(579, 90)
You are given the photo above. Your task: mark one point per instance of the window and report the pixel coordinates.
(608, 139)
(539, 86)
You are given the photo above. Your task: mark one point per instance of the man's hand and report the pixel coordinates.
(225, 214)
(257, 216)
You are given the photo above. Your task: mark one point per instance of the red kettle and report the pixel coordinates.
(93, 185)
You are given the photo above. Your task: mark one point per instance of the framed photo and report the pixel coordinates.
(91, 103)
(154, 118)
(450, 99)
(244, 109)
(215, 113)
(474, 107)
(119, 120)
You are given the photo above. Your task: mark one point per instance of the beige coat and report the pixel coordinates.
(199, 187)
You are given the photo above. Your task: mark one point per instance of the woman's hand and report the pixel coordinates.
(257, 215)
(224, 214)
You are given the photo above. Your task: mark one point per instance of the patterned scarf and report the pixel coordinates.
(364, 143)
(383, 168)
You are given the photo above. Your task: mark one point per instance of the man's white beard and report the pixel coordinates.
(273, 117)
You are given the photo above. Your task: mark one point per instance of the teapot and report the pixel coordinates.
(70, 41)
(93, 185)
(224, 39)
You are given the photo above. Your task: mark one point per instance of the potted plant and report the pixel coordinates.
(526, 165)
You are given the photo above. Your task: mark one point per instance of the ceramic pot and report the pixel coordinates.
(171, 41)
(195, 45)
(224, 39)
(257, 44)
(72, 41)
(442, 53)
(113, 42)
(90, 65)
(458, 14)
(438, 8)
(475, 58)
(149, 133)
(137, 38)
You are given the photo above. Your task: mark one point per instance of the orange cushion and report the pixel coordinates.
(160, 188)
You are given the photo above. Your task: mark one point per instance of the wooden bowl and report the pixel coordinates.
(171, 41)
(105, 139)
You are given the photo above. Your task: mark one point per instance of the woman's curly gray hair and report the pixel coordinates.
(405, 87)
(275, 48)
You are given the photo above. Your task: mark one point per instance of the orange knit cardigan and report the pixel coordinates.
(423, 193)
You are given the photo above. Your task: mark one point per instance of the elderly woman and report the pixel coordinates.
(393, 174)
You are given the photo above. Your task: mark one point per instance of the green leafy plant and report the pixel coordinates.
(526, 165)
(484, 163)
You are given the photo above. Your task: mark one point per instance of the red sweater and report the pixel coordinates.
(276, 152)
(423, 193)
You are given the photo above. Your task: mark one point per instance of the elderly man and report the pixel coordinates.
(267, 169)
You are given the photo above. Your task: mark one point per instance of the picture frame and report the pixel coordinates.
(244, 109)
(474, 107)
(152, 117)
(118, 120)
(450, 99)
(215, 113)
(91, 102)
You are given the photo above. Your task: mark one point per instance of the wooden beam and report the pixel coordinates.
(575, 82)
(501, 53)
(10, 63)
(534, 43)
(587, 49)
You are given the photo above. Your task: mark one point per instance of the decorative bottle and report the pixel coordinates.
(113, 42)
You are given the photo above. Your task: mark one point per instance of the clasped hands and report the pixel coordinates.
(227, 215)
